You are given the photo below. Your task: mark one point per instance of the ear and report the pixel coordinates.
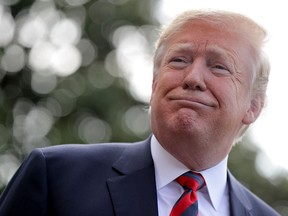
(253, 112)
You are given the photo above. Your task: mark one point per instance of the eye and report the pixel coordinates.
(220, 69)
(178, 59)
(178, 62)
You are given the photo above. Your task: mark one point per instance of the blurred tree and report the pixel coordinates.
(64, 73)
(273, 189)
(60, 78)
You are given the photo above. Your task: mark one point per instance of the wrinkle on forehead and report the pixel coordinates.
(207, 50)
(227, 43)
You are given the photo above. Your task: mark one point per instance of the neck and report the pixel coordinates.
(194, 154)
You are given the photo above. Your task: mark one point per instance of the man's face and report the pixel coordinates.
(202, 90)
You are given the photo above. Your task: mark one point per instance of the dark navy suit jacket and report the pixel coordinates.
(99, 180)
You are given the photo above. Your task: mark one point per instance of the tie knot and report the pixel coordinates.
(191, 180)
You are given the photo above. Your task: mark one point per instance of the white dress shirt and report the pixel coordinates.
(213, 199)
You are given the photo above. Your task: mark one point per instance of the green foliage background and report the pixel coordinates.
(81, 96)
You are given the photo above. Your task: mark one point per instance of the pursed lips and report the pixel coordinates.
(191, 100)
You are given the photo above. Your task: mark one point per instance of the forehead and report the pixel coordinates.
(203, 37)
(194, 48)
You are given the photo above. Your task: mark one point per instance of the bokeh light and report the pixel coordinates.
(93, 130)
(7, 27)
(77, 71)
(14, 58)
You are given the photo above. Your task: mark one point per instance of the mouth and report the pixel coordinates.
(193, 101)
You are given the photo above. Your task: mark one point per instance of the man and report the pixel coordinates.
(209, 85)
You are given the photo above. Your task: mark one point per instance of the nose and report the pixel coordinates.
(195, 76)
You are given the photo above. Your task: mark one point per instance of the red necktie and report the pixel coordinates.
(187, 204)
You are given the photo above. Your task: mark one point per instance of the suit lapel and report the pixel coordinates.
(134, 191)
(239, 203)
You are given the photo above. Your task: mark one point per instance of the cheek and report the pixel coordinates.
(154, 87)
(235, 99)
(227, 94)
(170, 80)
(163, 85)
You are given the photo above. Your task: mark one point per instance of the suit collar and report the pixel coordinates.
(239, 202)
(133, 192)
(135, 157)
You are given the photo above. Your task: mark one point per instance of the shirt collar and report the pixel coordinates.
(168, 168)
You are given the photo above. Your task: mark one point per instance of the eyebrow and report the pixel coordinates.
(217, 52)
(182, 47)
(211, 50)
(214, 50)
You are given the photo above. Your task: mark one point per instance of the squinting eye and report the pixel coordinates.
(220, 67)
(178, 62)
(220, 70)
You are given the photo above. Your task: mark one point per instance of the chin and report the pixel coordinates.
(185, 121)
